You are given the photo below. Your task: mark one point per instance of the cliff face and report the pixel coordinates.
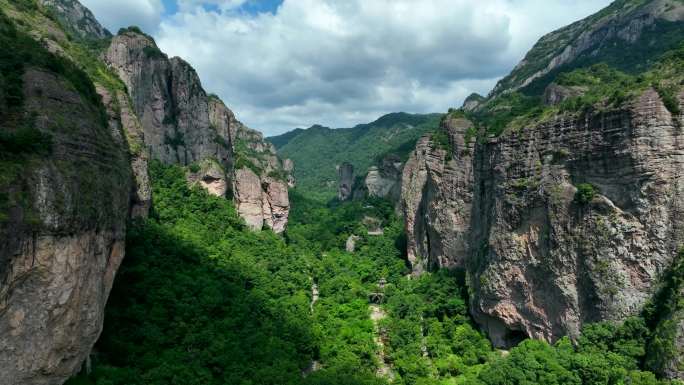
(384, 180)
(547, 260)
(436, 198)
(183, 125)
(261, 182)
(64, 239)
(562, 216)
(74, 153)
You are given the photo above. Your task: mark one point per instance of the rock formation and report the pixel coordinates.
(384, 180)
(62, 244)
(183, 125)
(624, 24)
(545, 263)
(436, 198)
(345, 190)
(472, 102)
(67, 193)
(567, 219)
(77, 19)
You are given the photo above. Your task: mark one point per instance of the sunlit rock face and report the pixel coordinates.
(184, 125)
(384, 180)
(436, 199)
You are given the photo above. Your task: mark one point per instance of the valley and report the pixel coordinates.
(532, 236)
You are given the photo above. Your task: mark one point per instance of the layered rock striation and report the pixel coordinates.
(546, 259)
(62, 243)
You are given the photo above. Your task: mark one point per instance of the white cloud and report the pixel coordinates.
(340, 63)
(114, 14)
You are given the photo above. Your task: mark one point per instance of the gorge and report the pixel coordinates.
(532, 236)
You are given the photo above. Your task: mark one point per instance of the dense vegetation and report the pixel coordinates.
(599, 87)
(318, 150)
(202, 300)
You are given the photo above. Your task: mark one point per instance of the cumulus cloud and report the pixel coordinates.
(114, 14)
(340, 63)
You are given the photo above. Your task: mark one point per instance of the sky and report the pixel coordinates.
(284, 64)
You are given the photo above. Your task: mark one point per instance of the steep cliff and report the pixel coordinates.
(80, 118)
(76, 19)
(62, 231)
(575, 220)
(183, 124)
(568, 209)
(436, 196)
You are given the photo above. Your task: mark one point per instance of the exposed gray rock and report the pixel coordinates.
(261, 201)
(123, 120)
(345, 189)
(436, 199)
(169, 100)
(622, 21)
(556, 94)
(350, 245)
(542, 263)
(384, 181)
(289, 167)
(183, 125)
(472, 102)
(210, 176)
(77, 19)
(60, 250)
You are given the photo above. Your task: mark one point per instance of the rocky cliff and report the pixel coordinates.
(436, 196)
(62, 231)
(547, 258)
(184, 125)
(568, 209)
(609, 36)
(76, 19)
(78, 126)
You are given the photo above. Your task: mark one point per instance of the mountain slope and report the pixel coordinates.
(317, 151)
(628, 35)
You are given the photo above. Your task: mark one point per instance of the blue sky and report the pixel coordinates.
(283, 64)
(252, 7)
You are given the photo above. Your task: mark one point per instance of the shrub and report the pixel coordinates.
(585, 193)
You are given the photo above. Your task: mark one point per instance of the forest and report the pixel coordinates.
(202, 300)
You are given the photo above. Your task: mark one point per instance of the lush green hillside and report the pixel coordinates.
(318, 150)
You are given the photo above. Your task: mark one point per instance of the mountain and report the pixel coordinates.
(628, 35)
(83, 115)
(567, 208)
(318, 151)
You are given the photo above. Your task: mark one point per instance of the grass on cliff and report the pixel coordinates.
(604, 87)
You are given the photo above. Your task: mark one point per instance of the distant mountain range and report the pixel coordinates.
(317, 150)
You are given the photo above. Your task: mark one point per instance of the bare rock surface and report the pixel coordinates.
(436, 199)
(77, 18)
(345, 190)
(184, 125)
(543, 263)
(384, 181)
(59, 252)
